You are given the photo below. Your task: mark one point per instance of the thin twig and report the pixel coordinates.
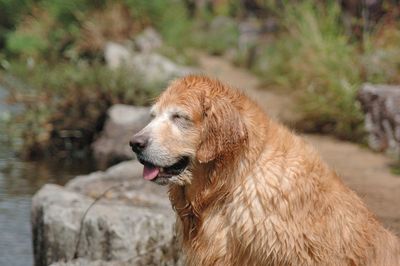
(86, 212)
(134, 258)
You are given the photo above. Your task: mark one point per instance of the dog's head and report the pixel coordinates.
(194, 122)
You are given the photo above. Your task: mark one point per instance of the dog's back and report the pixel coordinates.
(257, 194)
(291, 209)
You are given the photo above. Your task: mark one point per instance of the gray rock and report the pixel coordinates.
(128, 186)
(153, 68)
(85, 262)
(123, 121)
(158, 69)
(148, 41)
(381, 105)
(116, 55)
(132, 223)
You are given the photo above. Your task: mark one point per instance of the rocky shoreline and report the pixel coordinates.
(132, 223)
(112, 217)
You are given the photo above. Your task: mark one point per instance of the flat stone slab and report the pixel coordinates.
(132, 223)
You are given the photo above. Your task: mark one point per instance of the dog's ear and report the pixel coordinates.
(223, 130)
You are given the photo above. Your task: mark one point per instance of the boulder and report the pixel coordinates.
(128, 186)
(116, 55)
(85, 262)
(128, 221)
(381, 105)
(148, 41)
(153, 68)
(123, 121)
(158, 69)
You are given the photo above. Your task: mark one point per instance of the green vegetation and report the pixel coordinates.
(315, 57)
(51, 53)
(220, 35)
(65, 105)
(61, 28)
(321, 52)
(395, 169)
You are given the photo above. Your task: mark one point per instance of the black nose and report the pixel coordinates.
(139, 142)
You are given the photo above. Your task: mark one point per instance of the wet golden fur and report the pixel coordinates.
(257, 194)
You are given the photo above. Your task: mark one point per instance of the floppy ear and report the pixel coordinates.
(223, 130)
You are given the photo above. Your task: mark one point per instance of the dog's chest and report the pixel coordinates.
(260, 223)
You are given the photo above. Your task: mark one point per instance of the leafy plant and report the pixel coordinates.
(217, 36)
(315, 58)
(65, 105)
(381, 57)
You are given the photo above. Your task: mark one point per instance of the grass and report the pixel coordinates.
(395, 169)
(56, 48)
(315, 58)
(53, 53)
(215, 37)
(65, 105)
(54, 28)
(381, 58)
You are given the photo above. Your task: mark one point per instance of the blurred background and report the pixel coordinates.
(63, 64)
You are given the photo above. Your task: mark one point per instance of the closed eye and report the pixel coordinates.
(180, 117)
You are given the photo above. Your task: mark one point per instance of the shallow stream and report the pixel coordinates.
(19, 180)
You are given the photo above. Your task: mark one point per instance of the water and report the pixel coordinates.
(18, 182)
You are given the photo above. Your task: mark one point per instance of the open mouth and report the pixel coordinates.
(152, 171)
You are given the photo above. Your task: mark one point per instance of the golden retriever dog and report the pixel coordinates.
(247, 191)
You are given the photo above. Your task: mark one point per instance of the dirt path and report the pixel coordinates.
(364, 171)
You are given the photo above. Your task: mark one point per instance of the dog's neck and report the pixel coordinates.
(210, 187)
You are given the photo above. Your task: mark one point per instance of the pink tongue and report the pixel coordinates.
(149, 173)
